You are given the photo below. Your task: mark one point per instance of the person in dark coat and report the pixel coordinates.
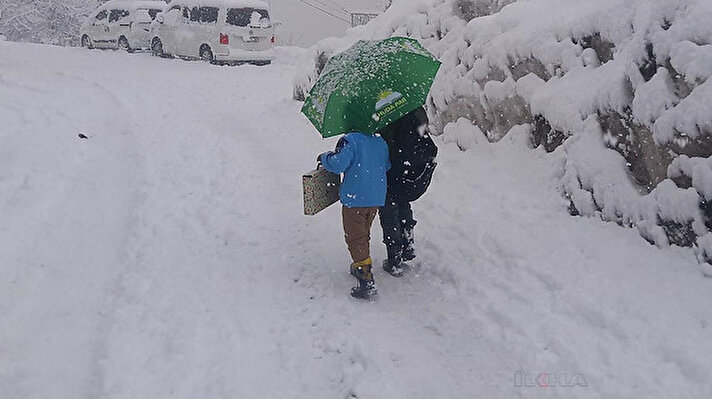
(412, 154)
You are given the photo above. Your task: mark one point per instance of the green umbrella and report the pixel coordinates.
(371, 85)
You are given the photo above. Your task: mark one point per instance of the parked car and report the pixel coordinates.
(121, 24)
(217, 31)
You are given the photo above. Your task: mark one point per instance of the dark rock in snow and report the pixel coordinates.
(603, 48)
(471, 9)
(545, 135)
(706, 208)
(647, 163)
(649, 67)
(523, 68)
(679, 234)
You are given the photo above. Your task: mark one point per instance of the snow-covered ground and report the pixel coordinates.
(166, 256)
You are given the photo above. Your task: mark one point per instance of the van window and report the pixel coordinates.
(194, 14)
(205, 15)
(153, 12)
(243, 16)
(116, 15)
(101, 15)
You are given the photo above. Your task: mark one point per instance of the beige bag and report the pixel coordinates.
(321, 189)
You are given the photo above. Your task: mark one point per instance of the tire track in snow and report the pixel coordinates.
(67, 229)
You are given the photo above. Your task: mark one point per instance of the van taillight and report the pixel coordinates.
(273, 40)
(224, 39)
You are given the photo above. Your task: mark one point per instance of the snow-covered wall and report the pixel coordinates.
(621, 87)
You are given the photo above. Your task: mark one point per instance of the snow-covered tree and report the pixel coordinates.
(44, 21)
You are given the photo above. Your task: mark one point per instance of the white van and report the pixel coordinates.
(121, 24)
(217, 31)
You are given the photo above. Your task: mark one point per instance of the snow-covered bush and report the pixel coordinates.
(44, 21)
(621, 87)
(463, 133)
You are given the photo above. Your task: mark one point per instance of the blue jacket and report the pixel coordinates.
(363, 159)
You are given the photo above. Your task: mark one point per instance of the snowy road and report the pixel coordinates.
(166, 256)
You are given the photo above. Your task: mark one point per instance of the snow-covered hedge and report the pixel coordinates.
(620, 86)
(44, 21)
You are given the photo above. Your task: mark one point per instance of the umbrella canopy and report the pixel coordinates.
(371, 85)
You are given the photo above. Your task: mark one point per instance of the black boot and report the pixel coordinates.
(408, 252)
(366, 285)
(395, 269)
(394, 264)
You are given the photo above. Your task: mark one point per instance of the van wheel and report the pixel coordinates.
(124, 44)
(206, 54)
(86, 42)
(157, 47)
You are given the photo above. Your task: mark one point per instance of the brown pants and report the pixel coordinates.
(357, 230)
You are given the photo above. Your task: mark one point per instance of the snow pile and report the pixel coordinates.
(622, 84)
(699, 171)
(463, 133)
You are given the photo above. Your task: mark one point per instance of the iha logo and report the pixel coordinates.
(388, 101)
(386, 98)
(549, 380)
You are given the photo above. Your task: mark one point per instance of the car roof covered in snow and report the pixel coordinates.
(150, 4)
(129, 4)
(223, 3)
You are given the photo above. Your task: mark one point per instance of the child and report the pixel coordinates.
(413, 155)
(363, 159)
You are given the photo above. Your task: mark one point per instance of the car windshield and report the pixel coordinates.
(116, 15)
(246, 16)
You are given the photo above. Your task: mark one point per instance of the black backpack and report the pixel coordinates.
(412, 154)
